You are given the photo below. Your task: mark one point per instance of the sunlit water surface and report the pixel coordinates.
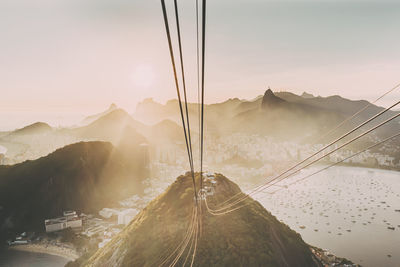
(345, 210)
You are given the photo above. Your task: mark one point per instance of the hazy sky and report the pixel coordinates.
(78, 56)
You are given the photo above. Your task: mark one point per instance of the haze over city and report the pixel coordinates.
(56, 55)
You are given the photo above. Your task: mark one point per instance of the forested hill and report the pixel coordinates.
(85, 176)
(250, 236)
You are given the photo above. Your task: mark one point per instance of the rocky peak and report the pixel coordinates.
(270, 100)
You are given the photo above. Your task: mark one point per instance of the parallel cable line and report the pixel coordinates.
(198, 104)
(196, 220)
(183, 82)
(185, 243)
(188, 140)
(183, 240)
(203, 51)
(341, 146)
(356, 114)
(203, 41)
(198, 77)
(304, 178)
(311, 156)
(190, 249)
(269, 184)
(215, 213)
(177, 85)
(185, 95)
(195, 243)
(337, 163)
(179, 255)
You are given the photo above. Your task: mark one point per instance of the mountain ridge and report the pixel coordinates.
(34, 128)
(284, 112)
(89, 119)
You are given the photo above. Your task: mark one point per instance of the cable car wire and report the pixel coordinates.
(338, 162)
(171, 51)
(316, 153)
(356, 114)
(270, 183)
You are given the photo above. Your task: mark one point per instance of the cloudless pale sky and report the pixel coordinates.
(74, 57)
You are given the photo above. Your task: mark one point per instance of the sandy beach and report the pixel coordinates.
(64, 252)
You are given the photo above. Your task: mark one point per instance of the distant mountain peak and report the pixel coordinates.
(148, 100)
(113, 106)
(118, 112)
(172, 102)
(34, 128)
(307, 95)
(94, 117)
(270, 99)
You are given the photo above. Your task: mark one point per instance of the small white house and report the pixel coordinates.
(55, 224)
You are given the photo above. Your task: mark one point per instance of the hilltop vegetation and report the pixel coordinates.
(250, 236)
(86, 177)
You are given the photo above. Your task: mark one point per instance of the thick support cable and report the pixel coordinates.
(171, 51)
(356, 114)
(195, 243)
(308, 176)
(198, 77)
(199, 118)
(179, 255)
(339, 147)
(202, 86)
(316, 153)
(273, 182)
(338, 162)
(184, 90)
(190, 226)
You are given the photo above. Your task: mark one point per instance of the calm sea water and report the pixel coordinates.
(345, 210)
(14, 258)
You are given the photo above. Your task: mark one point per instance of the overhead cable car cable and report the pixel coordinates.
(177, 86)
(316, 153)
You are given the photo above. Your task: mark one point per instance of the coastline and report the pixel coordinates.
(366, 166)
(66, 253)
(359, 166)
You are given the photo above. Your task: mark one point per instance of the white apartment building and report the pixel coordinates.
(69, 220)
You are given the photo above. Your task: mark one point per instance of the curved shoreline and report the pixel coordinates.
(66, 253)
